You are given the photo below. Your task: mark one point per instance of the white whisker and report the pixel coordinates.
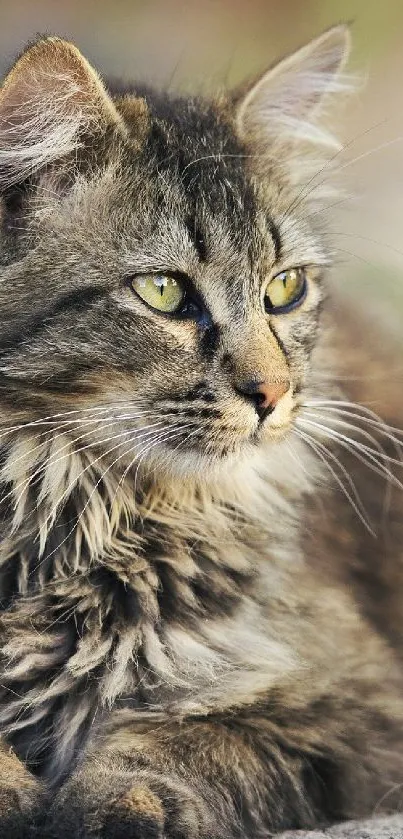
(323, 453)
(136, 437)
(335, 420)
(357, 411)
(70, 450)
(359, 450)
(140, 432)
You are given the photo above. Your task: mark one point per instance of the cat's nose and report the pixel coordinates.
(264, 395)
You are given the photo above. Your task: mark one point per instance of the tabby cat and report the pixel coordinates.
(201, 574)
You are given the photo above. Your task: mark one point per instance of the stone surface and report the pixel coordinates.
(379, 828)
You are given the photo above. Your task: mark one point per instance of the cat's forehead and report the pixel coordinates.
(182, 196)
(197, 176)
(188, 123)
(192, 144)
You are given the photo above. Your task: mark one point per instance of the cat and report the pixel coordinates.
(200, 633)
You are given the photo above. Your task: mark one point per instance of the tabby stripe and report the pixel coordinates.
(76, 300)
(275, 235)
(283, 348)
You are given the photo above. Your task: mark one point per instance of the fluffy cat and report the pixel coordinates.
(200, 639)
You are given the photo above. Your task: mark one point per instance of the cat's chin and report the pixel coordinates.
(207, 466)
(270, 434)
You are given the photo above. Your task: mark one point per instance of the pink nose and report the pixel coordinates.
(270, 393)
(264, 395)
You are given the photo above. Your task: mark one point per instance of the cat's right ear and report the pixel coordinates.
(51, 99)
(284, 106)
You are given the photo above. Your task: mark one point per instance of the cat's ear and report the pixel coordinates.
(285, 103)
(49, 101)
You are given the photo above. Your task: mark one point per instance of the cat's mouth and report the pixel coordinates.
(204, 455)
(275, 427)
(274, 432)
(231, 441)
(200, 441)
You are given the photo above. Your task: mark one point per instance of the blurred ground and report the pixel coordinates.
(378, 828)
(199, 43)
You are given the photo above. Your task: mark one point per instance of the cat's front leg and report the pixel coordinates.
(195, 780)
(21, 796)
(107, 800)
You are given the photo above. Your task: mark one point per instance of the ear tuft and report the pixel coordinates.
(285, 102)
(50, 97)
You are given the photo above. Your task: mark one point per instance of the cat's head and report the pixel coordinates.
(161, 258)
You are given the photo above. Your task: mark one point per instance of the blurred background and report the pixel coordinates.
(197, 44)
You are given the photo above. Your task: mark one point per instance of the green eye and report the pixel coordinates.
(161, 292)
(286, 291)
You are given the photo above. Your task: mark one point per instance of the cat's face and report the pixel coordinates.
(163, 281)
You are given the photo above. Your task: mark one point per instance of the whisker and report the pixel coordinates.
(321, 450)
(366, 416)
(302, 197)
(367, 458)
(368, 239)
(49, 419)
(56, 459)
(362, 452)
(139, 432)
(135, 437)
(334, 204)
(354, 255)
(178, 429)
(372, 424)
(49, 432)
(357, 428)
(328, 163)
(369, 415)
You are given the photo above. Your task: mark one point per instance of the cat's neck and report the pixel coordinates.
(60, 500)
(131, 563)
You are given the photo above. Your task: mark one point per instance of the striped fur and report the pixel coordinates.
(184, 646)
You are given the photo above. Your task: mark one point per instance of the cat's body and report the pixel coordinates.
(200, 638)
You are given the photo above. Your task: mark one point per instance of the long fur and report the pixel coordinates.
(185, 649)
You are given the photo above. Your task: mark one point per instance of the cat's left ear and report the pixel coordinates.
(51, 100)
(284, 103)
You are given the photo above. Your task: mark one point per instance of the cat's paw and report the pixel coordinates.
(21, 797)
(161, 810)
(137, 814)
(121, 805)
